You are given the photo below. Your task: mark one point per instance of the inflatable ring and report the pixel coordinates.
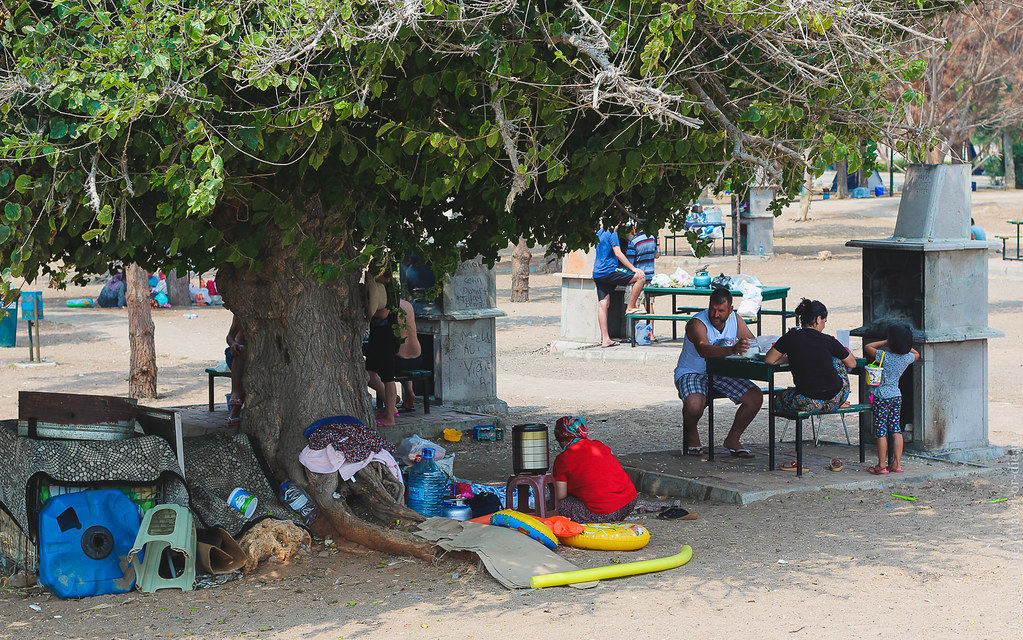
(528, 525)
(616, 536)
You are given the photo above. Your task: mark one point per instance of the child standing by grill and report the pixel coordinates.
(895, 353)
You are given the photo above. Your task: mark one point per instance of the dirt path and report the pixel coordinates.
(856, 563)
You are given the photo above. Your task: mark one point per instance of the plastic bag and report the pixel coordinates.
(722, 281)
(752, 298)
(410, 450)
(643, 331)
(745, 277)
(661, 280)
(680, 278)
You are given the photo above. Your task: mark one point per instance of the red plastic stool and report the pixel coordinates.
(546, 504)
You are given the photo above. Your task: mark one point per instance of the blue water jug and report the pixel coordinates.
(84, 540)
(426, 483)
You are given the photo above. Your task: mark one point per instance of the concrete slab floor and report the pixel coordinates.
(741, 481)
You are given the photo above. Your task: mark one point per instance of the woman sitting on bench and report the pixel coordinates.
(819, 363)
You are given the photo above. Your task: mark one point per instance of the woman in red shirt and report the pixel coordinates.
(590, 483)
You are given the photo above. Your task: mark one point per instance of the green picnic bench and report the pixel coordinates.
(213, 373)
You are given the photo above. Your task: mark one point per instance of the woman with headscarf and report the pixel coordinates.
(590, 483)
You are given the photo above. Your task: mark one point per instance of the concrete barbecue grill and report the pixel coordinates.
(930, 275)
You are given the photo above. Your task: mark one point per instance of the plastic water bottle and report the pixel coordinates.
(426, 483)
(295, 498)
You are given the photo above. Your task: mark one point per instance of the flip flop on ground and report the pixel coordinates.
(614, 343)
(878, 470)
(741, 453)
(694, 451)
(836, 464)
(791, 466)
(892, 469)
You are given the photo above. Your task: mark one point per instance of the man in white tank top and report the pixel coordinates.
(715, 333)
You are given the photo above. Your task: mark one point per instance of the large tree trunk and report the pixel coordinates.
(141, 334)
(1010, 162)
(520, 272)
(842, 180)
(304, 343)
(177, 290)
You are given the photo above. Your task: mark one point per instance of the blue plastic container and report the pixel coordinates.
(9, 326)
(426, 484)
(28, 299)
(84, 540)
(879, 191)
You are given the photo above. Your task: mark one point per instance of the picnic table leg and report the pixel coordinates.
(799, 446)
(211, 391)
(770, 421)
(866, 418)
(710, 417)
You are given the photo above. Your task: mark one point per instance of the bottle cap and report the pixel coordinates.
(285, 484)
(427, 453)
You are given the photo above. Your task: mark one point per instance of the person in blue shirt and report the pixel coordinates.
(976, 231)
(610, 269)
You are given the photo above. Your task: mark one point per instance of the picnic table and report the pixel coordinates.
(757, 369)
(684, 314)
(694, 226)
(1018, 224)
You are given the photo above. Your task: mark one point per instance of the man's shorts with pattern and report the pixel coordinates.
(733, 388)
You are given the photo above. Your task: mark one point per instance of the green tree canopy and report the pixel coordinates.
(179, 133)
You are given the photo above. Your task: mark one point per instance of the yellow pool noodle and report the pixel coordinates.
(612, 571)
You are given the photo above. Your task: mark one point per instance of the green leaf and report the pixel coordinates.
(5, 232)
(12, 211)
(23, 184)
(91, 234)
(106, 214)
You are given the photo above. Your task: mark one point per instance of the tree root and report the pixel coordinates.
(356, 530)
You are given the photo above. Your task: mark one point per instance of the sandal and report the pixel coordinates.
(891, 469)
(694, 451)
(791, 466)
(234, 423)
(743, 453)
(676, 513)
(836, 464)
(878, 470)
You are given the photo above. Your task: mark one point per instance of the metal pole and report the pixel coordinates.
(891, 172)
(35, 304)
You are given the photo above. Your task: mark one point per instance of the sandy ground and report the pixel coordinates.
(856, 563)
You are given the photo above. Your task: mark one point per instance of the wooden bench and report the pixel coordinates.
(799, 416)
(213, 373)
(632, 318)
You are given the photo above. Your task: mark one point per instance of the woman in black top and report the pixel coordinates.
(818, 361)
